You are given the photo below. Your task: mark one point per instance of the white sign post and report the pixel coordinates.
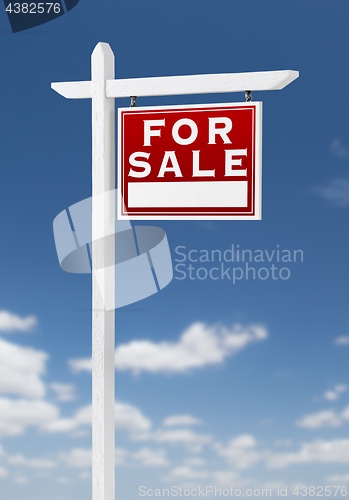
(103, 89)
(103, 322)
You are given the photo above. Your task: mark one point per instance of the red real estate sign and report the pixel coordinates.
(190, 162)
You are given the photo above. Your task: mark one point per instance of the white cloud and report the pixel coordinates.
(339, 149)
(20, 479)
(77, 457)
(43, 473)
(283, 443)
(10, 322)
(184, 420)
(344, 340)
(151, 458)
(327, 418)
(64, 480)
(17, 415)
(127, 417)
(3, 472)
(319, 451)
(198, 346)
(226, 477)
(190, 477)
(336, 192)
(345, 414)
(120, 456)
(331, 395)
(60, 425)
(36, 463)
(20, 370)
(335, 393)
(267, 421)
(130, 418)
(146, 457)
(195, 462)
(338, 479)
(193, 441)
(80, 365)
(187, 472)
(241, 452)
(64, 392)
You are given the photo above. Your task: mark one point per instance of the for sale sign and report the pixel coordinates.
(190, 162)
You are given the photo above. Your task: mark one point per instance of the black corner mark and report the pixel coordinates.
(26, 15)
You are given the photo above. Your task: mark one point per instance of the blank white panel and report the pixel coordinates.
(187, 194)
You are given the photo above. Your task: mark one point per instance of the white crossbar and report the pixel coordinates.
(180, 85)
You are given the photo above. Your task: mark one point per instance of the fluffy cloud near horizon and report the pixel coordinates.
(200, 345)
(127, 417)
(35, 463)
(318, 451)
(335, 393)
(82, 458)
(131, 419)
(64, 392)
(184, 420)
(150, 458)
(344, 340)
(220, 478)
(10, 322)
(17, 415)
(187, 472)
(191, 440)
(241, 452)
(338, 479)
(3, 472)
(20, 370)
(326, 418)
(77, 457)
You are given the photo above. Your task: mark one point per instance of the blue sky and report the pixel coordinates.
(255, 391)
